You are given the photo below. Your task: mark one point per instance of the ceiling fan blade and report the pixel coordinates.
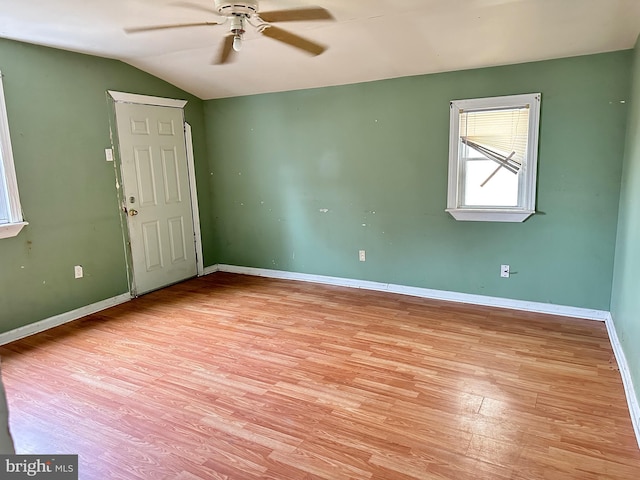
(296, 14)
(226, 51)
(294, 40)
(166, 27)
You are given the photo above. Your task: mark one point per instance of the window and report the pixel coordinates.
(11, 221)
(493, 156)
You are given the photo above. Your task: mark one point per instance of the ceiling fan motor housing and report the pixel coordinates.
(232, 8)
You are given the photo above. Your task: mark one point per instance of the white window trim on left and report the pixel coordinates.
(16, 221)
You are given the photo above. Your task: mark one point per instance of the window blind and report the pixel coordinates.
(501, 135)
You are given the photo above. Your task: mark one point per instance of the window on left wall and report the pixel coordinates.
(11, 220)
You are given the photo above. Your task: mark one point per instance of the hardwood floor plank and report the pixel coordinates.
(235, 377)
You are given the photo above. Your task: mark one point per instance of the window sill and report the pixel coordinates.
(8, 230)
(489, 214)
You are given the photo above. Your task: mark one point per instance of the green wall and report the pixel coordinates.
(625, 299)
(59, 123)
(375, 156)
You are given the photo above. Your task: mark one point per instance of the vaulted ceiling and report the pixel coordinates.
(369, 39)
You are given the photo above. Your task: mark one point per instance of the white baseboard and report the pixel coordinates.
(629, 390)
(46, 324)
(209, 270)
(498, 302)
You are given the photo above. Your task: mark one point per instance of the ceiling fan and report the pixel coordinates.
(242, 12)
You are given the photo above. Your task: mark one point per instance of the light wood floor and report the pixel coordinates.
(234, 377)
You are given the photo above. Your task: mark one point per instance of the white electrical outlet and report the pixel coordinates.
(362, 256)
(78, 272)
(108, 154)
(504, 271)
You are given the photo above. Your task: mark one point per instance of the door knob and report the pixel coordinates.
(133, 213)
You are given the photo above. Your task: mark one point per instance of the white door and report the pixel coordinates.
(156, 194)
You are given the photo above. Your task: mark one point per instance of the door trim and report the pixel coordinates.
(194, 198)
(123, 97)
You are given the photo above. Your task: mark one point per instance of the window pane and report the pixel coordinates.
(9, 202)
(501, 190)
(493, 146)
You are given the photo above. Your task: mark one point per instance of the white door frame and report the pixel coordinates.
(122, 97)
(194, 198)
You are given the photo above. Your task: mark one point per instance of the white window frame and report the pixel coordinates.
(527, 188)
(8, 176)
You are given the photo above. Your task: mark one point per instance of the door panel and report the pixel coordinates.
(178, 242)
(145, 177)
(139, 126)
(172, 193)
(157, 196)
(152, 246)
(166, 128)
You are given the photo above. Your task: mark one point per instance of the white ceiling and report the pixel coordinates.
(370, 39)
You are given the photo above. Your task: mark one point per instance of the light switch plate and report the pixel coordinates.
(504, 271)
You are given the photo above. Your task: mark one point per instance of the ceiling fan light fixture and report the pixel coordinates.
(237, 42)
(237, 30)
